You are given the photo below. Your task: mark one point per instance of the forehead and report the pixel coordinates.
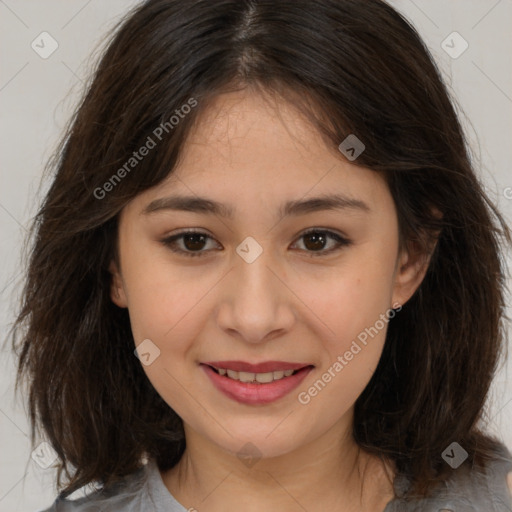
(246, 148)
(250, 120)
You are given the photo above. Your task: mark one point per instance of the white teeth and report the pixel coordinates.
(232, 374)
(246, 376)
(262, 378)
(265, 378)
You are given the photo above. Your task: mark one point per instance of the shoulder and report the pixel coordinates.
(482, 488)
(469, 488)
(128, 495)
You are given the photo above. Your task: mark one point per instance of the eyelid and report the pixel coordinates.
(342, 241)
(169, 241)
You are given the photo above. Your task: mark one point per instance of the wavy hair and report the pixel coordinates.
(349, 66)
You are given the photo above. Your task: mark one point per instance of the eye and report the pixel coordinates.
(315, 240)
(192, 241)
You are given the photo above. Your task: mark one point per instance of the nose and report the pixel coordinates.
(256, 303)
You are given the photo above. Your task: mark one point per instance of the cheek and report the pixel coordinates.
(360, 315)
(165, 301)
(357, 315)
(354, 305)
(351, 298)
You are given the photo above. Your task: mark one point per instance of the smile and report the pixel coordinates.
(235, 380)
(262, 378)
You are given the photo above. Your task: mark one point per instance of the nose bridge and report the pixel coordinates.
(258, 302)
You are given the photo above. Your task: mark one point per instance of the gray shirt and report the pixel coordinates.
(466, 490)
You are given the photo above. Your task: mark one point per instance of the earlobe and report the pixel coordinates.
(117, 293)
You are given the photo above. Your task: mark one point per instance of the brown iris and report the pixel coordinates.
(317, 241)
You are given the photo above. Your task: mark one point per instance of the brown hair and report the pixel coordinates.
(352, 67)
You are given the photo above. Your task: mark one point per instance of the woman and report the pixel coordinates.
(265, 275)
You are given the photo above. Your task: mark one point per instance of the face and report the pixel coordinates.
(297, 269)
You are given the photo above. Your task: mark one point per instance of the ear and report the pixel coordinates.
(117, 291)
(412, 265)
(414, 260)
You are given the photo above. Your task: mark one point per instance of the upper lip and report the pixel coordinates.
(264, 367)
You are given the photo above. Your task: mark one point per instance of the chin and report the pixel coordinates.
(264, 443)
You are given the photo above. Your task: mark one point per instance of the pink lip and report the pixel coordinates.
(256, 393)
(267, 366)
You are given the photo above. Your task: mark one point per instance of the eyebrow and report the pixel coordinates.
(204, 205)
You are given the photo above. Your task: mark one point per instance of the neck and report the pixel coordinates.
(332, 471)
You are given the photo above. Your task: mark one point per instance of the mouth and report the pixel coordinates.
(264, 367)
(254, 377)
(234, 380)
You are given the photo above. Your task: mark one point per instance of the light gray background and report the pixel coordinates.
(37, 96)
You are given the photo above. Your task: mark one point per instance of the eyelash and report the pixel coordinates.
(171, 241)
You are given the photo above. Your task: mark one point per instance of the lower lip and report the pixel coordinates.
(253, 393)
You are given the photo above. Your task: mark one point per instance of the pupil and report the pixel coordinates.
(318, 241)
(191, 241)
(196, 241)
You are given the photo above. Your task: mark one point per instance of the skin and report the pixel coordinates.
(290, 304)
